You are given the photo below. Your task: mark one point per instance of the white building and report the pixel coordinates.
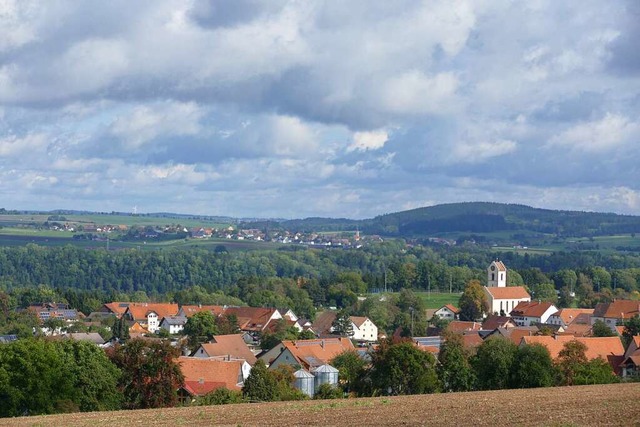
(173, 324)
(447, 312)
(363, 329)
(503, 300)
(533, 312)
(497, 275)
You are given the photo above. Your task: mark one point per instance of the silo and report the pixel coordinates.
(325, 374)
(304, 382)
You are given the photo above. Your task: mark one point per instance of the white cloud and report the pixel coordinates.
(612, 131)
(413, 92)
(148, 122)
(31, 144)
(363, 141)
(480, 151)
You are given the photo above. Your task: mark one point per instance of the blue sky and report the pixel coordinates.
(318, 108)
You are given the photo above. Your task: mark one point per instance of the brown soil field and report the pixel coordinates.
(609, 405)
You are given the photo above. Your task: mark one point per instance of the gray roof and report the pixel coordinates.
(175, 320)
(5, 339)
(325, 368)
(302, 374)
(93, 337)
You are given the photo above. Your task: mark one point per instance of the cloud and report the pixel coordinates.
(610, 132)
(363, 141)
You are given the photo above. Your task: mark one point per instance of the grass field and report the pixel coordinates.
(437, 299)
(606, 405)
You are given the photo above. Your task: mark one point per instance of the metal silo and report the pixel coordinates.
(325, 374)
(304, 382)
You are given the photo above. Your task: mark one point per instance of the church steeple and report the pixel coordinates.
(496, 275)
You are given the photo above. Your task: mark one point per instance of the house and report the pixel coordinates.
(503, 300)
(614, 312)
(149, 315)
(630, 366)
(497, 275)
(116, 308)
(60, 311)
(173, 324)
(363, 329)
(189, 310)
(493, 321)
(528, 313)
(514, 334)
(92, 337)
(308, 354)
(447, 312)
(226, 345)
(253, 319)
(460, 326)
(204, 375)
(609, 349)
(566, 316)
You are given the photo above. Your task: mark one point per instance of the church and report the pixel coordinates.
(502, 298)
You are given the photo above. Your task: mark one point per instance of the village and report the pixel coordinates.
(226, 360)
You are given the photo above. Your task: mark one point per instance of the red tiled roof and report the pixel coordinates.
(190, 310)
(500, 266)
(358, 321)
(607, 348)
(461, 326)
(210, 373)
(569, 315)
(471, 340)
(531, 309)
(454, 309)
(617, 309)
(310, 353)
(117, 307)
(322, 323)
(494, 321)
(139, 311)
(251, 318)
(230, 345)
(509, 292)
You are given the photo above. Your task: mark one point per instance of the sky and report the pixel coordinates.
(291, 109)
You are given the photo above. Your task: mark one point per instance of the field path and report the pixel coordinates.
(608, 405)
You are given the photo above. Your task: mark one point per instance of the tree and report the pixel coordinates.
(260, 385)
(328, 391)
(120, 329)
(200, 327)
(631, 329)
(493, 363)
(600, 329)
(94, 377)
(570, 360)
(545, 292)
(352, 369)
(532, 367)
(455, 371)
(473, 302)
(342, 324)
(402, 368)
(595, 371)
(220, 396)
(151, 375)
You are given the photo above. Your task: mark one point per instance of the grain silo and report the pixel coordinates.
(304, 382)
(325, 374)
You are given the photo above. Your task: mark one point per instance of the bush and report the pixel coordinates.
(328, 391)
(221, 396)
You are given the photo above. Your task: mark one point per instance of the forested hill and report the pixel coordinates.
(490, 217)
(480, 217)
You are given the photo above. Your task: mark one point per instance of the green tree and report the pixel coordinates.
(454, 370)
(94, 377)
(545, 292)
(402, 368)
(595, 371)
(120, 329)
(600, 329)
(151, 375)
(200, 327)
(631, 329)
(532, 367)
(260, 385)
(220, 396)
(493, 363)
(570, 360)
(473, 302)
(352, 370)
(342, 324)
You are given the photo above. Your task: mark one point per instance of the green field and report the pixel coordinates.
(436, 299)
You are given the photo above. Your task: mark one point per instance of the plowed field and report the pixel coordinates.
(608, 405)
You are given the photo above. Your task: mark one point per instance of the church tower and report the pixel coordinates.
(496, 275)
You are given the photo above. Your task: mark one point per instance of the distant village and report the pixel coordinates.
(227, 360)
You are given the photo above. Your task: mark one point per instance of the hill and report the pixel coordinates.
(599, 405)
(482, 217)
